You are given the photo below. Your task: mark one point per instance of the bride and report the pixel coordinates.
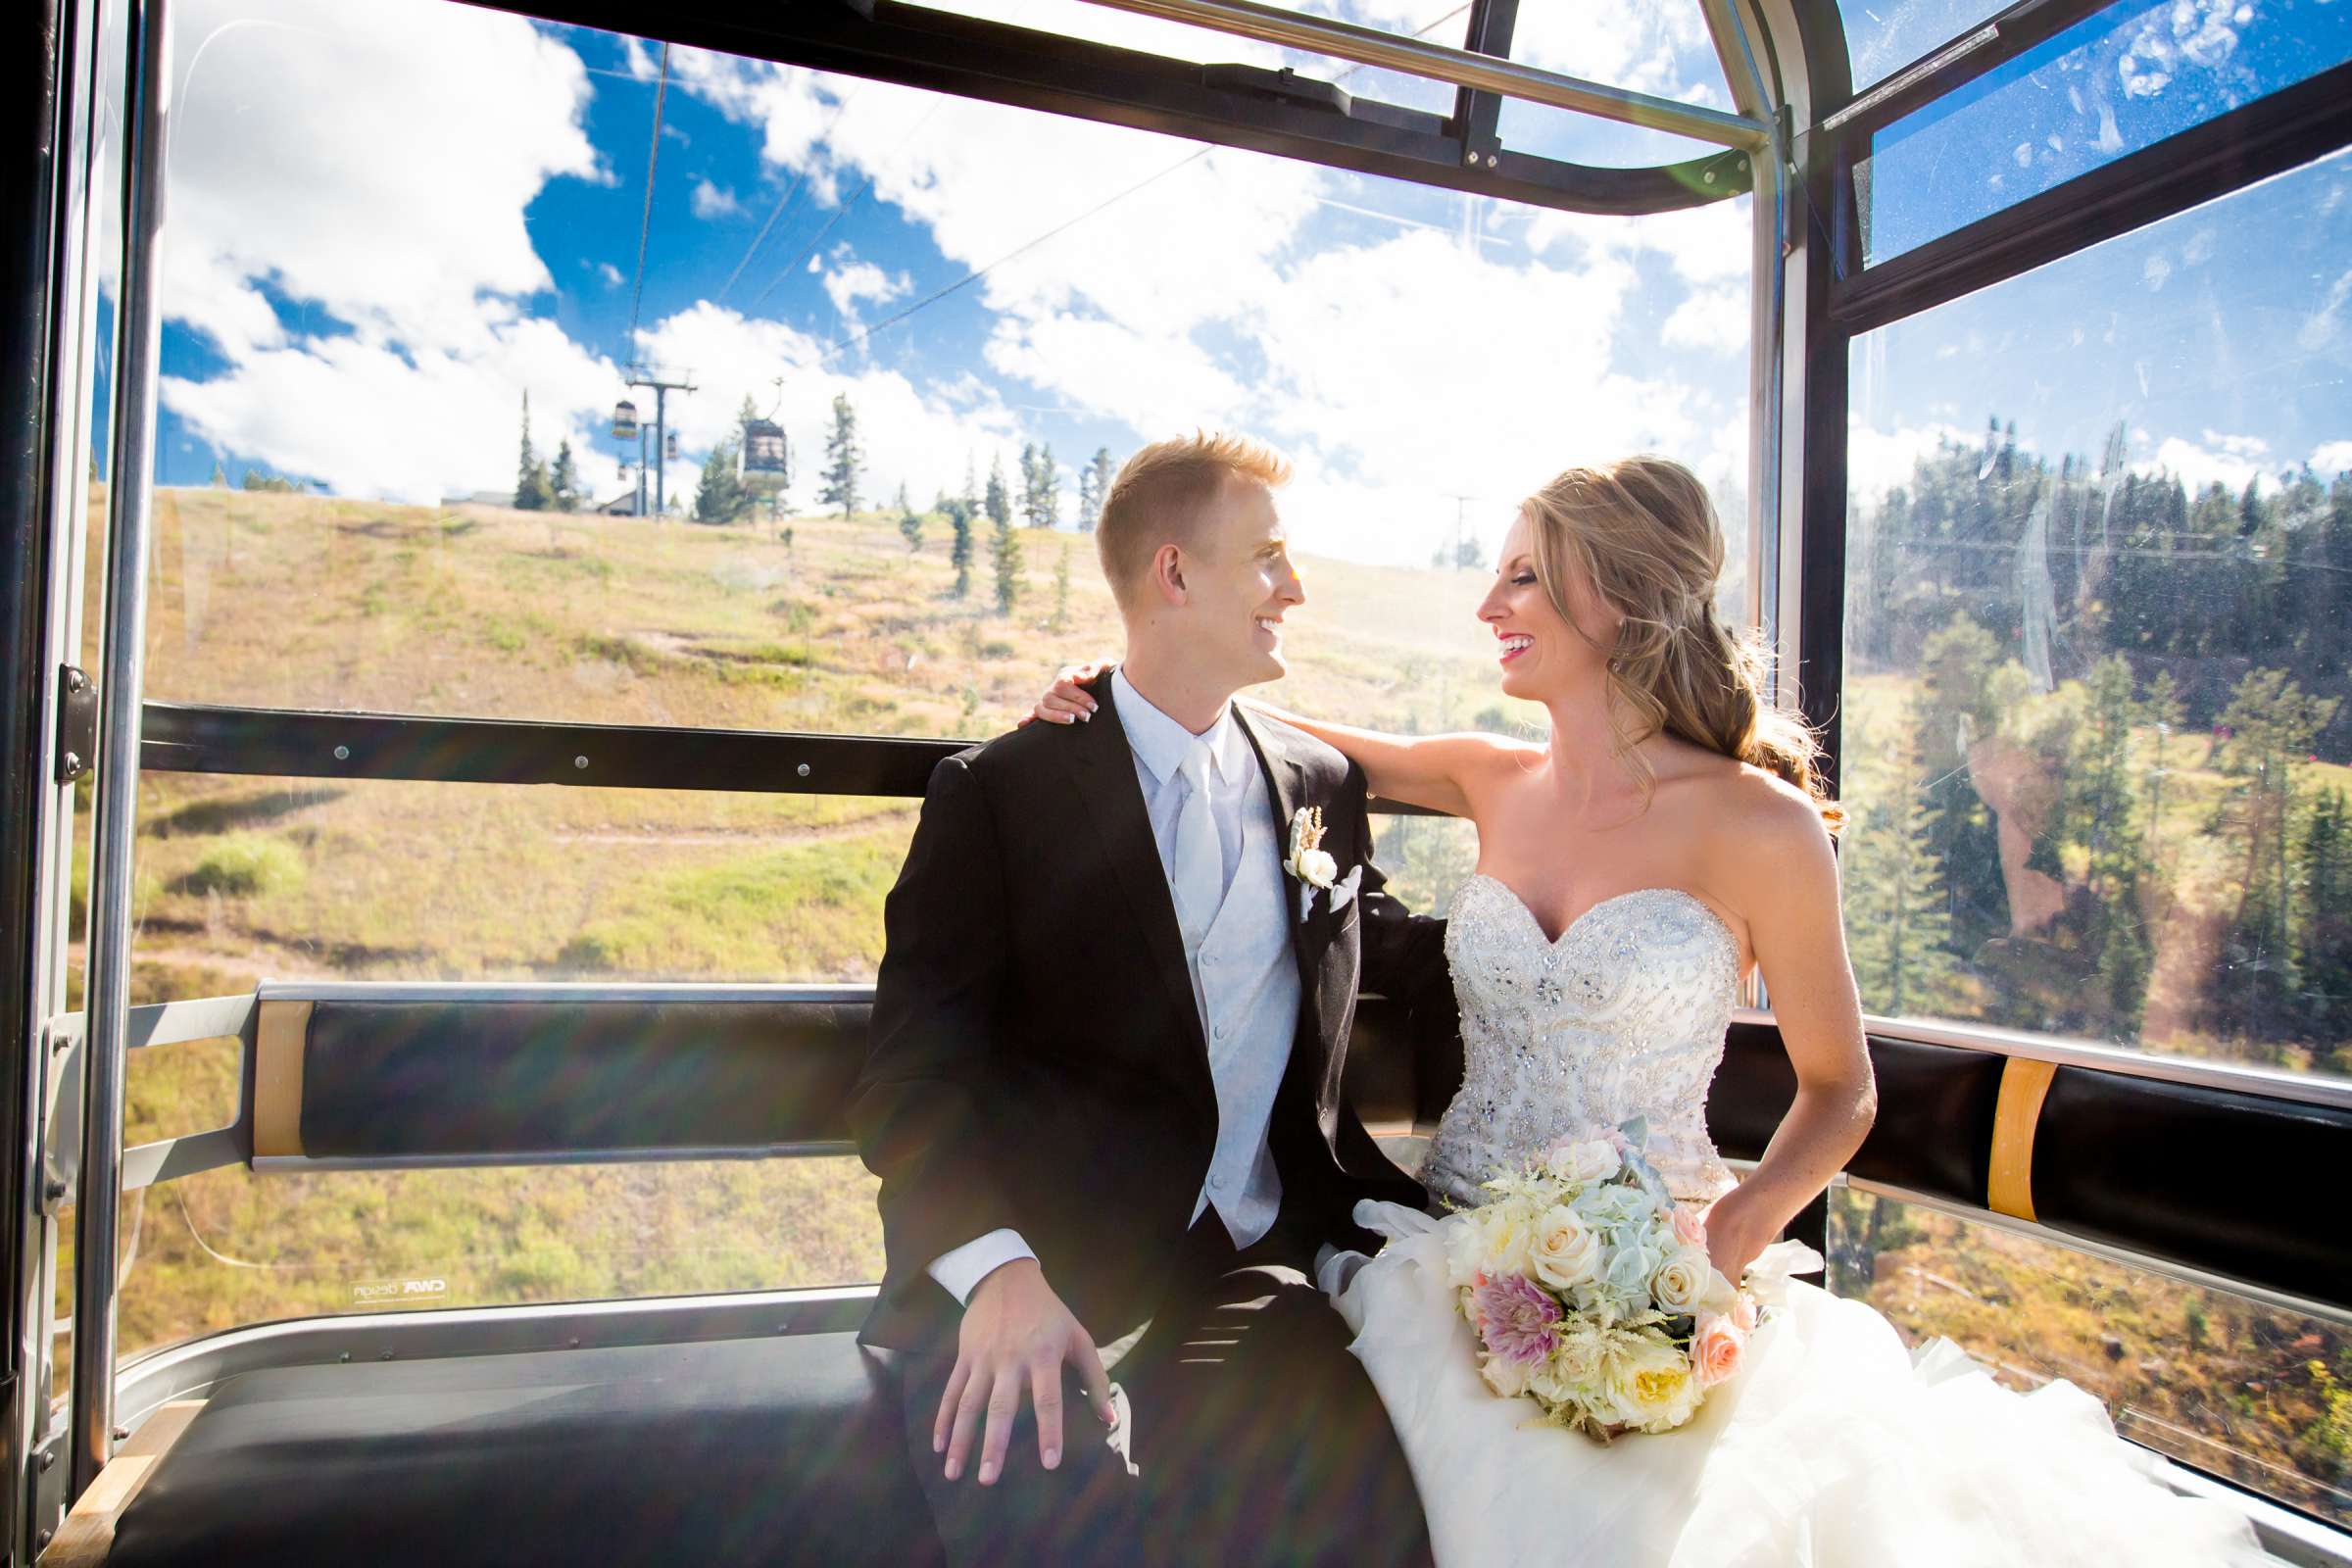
(1669, 837)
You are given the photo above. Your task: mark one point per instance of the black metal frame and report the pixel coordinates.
(939, 51)
(31, 80)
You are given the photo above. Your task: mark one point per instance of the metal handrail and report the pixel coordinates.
(1460, 68)
(98, 1206)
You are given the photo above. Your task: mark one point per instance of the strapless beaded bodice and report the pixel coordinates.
(1623, 1016)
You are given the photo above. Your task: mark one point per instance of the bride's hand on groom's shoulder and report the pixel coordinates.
(1065, 701)
(1015, 1338)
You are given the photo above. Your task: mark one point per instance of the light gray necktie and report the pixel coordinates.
(1196, 866)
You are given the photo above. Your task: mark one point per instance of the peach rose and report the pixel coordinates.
(1689, 1228)
(1717, 1350)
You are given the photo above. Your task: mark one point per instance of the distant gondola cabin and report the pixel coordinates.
(624, 421)
(761, 463)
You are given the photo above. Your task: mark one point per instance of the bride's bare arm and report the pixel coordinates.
(1437, 771)
(1782, 875)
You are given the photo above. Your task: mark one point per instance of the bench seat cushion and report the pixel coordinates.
(736, 1452)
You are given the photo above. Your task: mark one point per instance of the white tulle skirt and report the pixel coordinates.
(1835, 1446)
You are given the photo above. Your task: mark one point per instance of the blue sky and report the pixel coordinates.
(390, 223)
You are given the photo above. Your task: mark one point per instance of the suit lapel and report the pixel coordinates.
(1113, 801)
(1287, 783)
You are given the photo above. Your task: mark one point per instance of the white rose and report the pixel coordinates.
(1582, 1163)
(1653, 1386)
(1465, 1249)
(1563, 1250)
(1504, 1376)
(1680, 1284)
(1316, 868)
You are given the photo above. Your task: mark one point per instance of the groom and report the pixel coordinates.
(1103, 1091)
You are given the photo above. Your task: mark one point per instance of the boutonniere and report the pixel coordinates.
(1313, 865)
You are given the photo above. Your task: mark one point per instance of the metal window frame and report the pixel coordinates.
(939, 51)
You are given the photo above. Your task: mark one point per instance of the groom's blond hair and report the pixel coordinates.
(1161, 493)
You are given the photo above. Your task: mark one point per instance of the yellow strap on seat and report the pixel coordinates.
(279, 1038)
(2009, 1186)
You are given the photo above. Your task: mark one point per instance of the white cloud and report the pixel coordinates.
(845, 285)
(611, 274)
(377, 187)
(1876, 461)
(2231, 461)
(1711, 319)
(917, 436)
(2332, 458)
(344, 185)
(714, 201)
(372, 420)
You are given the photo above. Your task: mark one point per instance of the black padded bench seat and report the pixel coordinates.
(784, 1450)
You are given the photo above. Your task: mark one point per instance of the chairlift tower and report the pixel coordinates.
(645, 376)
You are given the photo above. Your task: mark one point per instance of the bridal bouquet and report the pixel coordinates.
(1591, 1292)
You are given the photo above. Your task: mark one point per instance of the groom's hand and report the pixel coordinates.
(1016, 1336)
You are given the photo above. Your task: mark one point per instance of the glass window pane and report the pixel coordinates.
(2223, 1384)
(2098, 740)
(227, 1247)
(342, 425)
(2122, 80)
(1881, 37)
(245, 878)
(1663, 50)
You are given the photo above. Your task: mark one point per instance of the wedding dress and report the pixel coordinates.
(1834, 1446)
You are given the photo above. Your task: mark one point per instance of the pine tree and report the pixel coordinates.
(1895, 906)
(1955, 707)
(1094, 488)
(1040, 488)
(718, 495)
(911, 521)
(1061, 592)
(2326, 937)
(960, 554)
(999, 501)
(2270, 727)
(532, 491)
(564, 480)
(1005, 548)
(2101, 801)
(220, 475)
(843, 461)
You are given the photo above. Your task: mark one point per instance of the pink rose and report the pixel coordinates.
(1744, 1312)
(1515, 1317)
(1717, 1350)
(1689, 1229)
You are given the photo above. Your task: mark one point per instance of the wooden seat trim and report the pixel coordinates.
(87, 1535)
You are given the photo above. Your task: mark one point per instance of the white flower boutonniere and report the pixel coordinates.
(1313, 865)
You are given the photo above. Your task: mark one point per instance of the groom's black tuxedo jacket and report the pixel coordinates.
(1037, 1059)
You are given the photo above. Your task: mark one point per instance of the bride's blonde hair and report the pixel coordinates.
(1643, 532)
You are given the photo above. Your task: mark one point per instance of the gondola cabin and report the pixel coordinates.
(441, 937)
(761, 461)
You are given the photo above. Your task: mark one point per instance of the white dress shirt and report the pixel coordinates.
(1245, 976)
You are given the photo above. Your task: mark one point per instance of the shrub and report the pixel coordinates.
(244, 866)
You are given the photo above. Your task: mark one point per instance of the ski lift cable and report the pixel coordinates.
(645, 224)
(971, 277)
(793, 266)
(800, 184)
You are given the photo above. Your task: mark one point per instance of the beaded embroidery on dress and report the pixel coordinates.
(1624, 1016)
(1835, 1446)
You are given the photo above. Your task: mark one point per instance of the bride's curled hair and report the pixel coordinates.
(1643, 533)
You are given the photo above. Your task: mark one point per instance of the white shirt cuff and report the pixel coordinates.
(959, 1272)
